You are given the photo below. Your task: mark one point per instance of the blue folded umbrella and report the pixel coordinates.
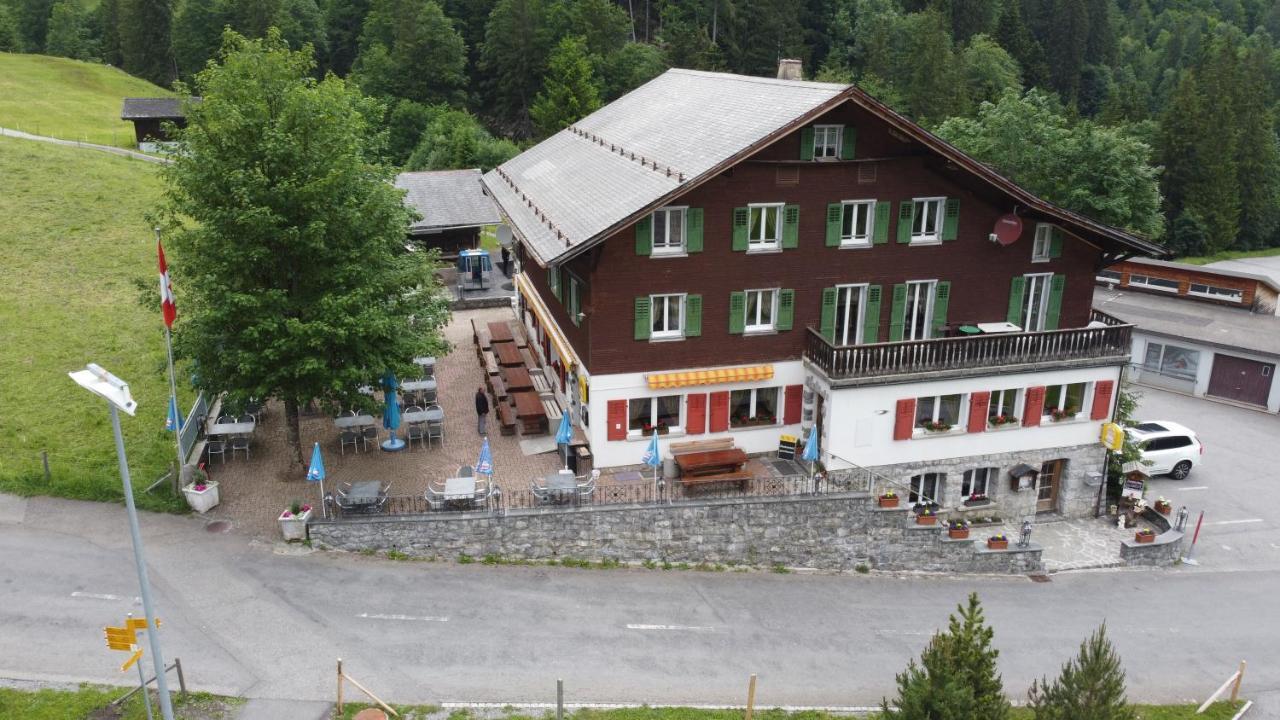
(564, 435)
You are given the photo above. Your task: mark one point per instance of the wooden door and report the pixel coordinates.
(1047, 484)
(1241, 379)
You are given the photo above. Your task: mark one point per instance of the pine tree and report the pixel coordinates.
(1015, 37)
(1065, 51)
(973, 17)
(514, 57)
(570, 92)
(33, 23)
(410, 50)
(1090, 686)
(10, 38)
(67, 36)
(344, 20)
(197, 33)
(108, 20)
(146, 39)
(1258, 155)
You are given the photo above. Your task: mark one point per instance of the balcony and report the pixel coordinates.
(1105, 342)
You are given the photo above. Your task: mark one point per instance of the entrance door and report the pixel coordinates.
(1241, 379)
(1047, 486)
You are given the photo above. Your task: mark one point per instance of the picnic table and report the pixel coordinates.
(365, 493)
(459, 488)
(508, 354)
(231, 428)
(517, 379)
(420, 416)
(530, 411)
(427, 363)
(357, 421)
(561, 486)
(713, 466)
(500, 332)
(428, 385)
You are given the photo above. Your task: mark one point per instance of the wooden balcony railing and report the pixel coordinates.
(1108, 338)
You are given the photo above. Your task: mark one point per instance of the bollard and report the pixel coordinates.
(559, 699)
(751, 696)
(44, 457)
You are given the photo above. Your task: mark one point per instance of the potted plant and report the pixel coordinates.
(937, 426)
(293, 521)
(1001, 420)
(201, 492)
(998, 542)
(1064, 414)
(926, 516)
(1164, 507)
(977, 499)
(958, 530)
(1145, 535)
(889, 499)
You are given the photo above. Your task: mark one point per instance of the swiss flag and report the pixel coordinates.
(166, 290)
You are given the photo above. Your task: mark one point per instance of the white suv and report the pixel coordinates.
(1168, 447)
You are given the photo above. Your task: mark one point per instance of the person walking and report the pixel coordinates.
(482, 410)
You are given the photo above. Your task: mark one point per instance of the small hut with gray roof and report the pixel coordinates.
(452, 205)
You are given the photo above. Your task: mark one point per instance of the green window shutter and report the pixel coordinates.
(643, 324)
(553, 279)
(848, 138)
(881, 234)
(1055, 242)
(786, 309)
(897, 312)
(741, 220)
(941, 298)
(871, 316)
(951, 219)
(692, 315)
(790, 226)
(693, 230)
(644, 235)
(1016, 290)
(737, 312)
(906, 217)
(835, 217)
(806, 143)
(828, 324)
(1055, 302)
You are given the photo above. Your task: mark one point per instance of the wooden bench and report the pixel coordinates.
(681, 448)
(490, 363)
(540, 384)
(483, 343)
(552, 407)
(498, 388)
(506, 418)
(527, 358)
(518, 333)
(738, 478)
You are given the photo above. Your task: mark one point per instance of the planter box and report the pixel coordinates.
(294, 527)
(202, 501)
(958, 534)
(889, 502)
(926, 519)
(1164, 508)
(1144, 538)
(993, 544)
(978, 503)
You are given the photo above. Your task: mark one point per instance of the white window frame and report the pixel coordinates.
(664, 216)
(909, 330)
(747, 325)
(939, 481)
(1145, 281)
(842, 334)
(853, 239)
(666, 298)
(961, 413)
(1042, 245)
(1015, 406)
(760, 244)
(678, 427)
(938, 207)
(1225, 294)
(1159, 366)
(1110, 277)
(971, 476)
(755, 401)
(1085, 397)
(822, 141)
(1034, 322)
(553, 279)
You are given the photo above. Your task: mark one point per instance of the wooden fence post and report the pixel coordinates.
(339, 686)
(182, 681)
(559, 699)
(1235, 689)
(44, 457)
(751, 696)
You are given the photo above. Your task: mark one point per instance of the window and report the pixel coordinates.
(850, 306)
(1063, 402)
(1004, 407)
(1217, 293)
(749, 408)
(666, 312)
(918, 317)
(1108, 276)
(668, 231)
(826, 141)
(1172, 360)
(765, 227)
(645, 414)
(926, 227)
(977, 483)
(1042, 247)
(857, 222)
(1154, 283)
(926, 488)
(553, 280)
(573, 298)
(938, 412)
(1035, 302)
(761, 310)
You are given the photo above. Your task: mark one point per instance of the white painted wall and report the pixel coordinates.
(858, 423)
(1203, 372)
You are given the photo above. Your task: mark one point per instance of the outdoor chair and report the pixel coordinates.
(435, 497)
(216, 447)
(416, 431)
(429, 396)
(238, 443)
(465, 471)
(586, 489)
(367, 433)
(540, 492)
(254, 408)
(225, 419)
(348, 437)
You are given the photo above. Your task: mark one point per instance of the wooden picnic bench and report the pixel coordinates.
(520, 339)
(490, 363)
(500, 332)
(506, 418)
(482, 342)
(497, 388)
(517, 378)
(530, 412)
(708, 467)
(552, 407)
(540, 384)
(507, 354)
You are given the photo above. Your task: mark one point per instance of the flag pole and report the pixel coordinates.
(173, 383)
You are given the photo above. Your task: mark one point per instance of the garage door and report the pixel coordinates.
(1241, 379)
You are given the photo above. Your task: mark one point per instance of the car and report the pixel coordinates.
(1167, 447)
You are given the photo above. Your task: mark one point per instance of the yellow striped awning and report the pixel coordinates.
(548, 323)
(710, 377)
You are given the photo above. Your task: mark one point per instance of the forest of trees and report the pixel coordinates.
(1155, 115)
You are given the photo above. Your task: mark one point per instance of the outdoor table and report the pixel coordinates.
(561, 486)
(500, 332)
(427, 363)
(365, 493)
(231, 428)
(347, 422)
(998, 327)
(531, 412)
(517, 379)
(459, 491)
(508, 354)
(421, 416)
(428, 385)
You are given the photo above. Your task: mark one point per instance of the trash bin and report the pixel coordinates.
(569, 458)
(669, 468)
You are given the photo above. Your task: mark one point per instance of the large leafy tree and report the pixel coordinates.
(455, 139)
(410, 50)
(68, 32)
(33, 23)
(570, 92)
(1090, 686)
(146, 39)
(288, 237)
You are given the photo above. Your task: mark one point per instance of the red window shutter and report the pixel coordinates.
(905, 420)
(979, 403)
(791, 413)
(695, 415)
(617, 420)
(719, 412)
(1102, 391)
(1034, 407)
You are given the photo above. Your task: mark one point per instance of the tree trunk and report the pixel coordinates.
(291, 429)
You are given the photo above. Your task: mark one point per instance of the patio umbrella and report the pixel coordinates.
(174, 421)
(484, 464)
(391, 413)
(810, 454)
(315, 473)
(653, 458)
(564, 436)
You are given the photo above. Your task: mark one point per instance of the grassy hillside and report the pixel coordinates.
(68, 99)
(72, 243)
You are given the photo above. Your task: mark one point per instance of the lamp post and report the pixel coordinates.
(116, 392)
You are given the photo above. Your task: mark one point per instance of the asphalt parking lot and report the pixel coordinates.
(1237, 484)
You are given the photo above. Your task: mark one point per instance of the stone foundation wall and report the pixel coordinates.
(830, 532)
(1166, 550)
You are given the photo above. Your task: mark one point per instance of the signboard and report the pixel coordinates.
(787, 445)
(1132, 488)
(1112, 436)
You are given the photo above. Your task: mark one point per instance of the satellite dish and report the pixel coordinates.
(504, 236)
(1008, 229)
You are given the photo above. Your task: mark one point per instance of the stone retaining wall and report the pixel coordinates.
(830, 532)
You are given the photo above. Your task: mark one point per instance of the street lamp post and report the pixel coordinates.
(116, 392)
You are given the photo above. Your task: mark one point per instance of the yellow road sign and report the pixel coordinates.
(119, 638)
(1112, 436)
(132, 659)
(134, 623)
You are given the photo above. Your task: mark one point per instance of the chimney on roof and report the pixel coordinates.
(789, 69)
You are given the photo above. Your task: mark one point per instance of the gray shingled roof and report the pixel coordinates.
(1201, 322)
(447, 199)
(163, 108)
(1212, 269)
(589, 177)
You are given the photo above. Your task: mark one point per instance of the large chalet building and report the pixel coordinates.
(716, 255)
